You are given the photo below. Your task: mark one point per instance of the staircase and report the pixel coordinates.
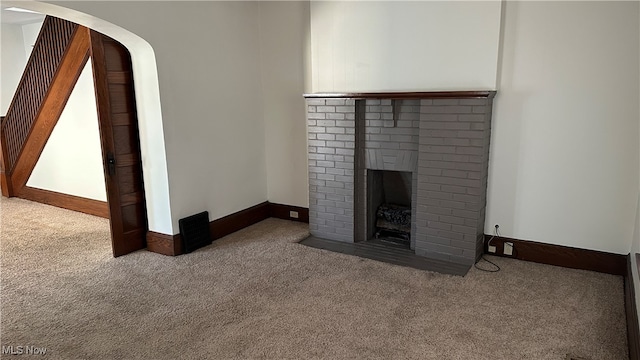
(58, 57)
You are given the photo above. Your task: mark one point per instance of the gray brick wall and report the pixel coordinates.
(444, 143)
(392, 144)
(331, 129)
(452, 178)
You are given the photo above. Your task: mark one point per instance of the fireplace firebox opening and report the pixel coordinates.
(389, 195)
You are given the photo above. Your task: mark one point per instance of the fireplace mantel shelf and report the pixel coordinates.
(484, 94)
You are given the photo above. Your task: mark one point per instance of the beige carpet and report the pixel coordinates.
(259, 294)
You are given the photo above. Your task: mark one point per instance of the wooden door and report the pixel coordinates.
(113, 79)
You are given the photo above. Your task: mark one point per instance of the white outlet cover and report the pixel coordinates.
(492, 249)
(508, 248)
(293, 214)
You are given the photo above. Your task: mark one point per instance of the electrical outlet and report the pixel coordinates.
(492, 249)
(508, 248)
(293, 214)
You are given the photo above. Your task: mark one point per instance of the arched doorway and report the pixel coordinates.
(148, 108)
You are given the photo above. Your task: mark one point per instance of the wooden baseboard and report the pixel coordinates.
(164, 244)
(281, 211)
(631, 310)
(557, 255)
(5, 184)
(239, 220)
(70, 202)
(172, 244)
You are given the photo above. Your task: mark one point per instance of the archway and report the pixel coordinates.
(148, 107)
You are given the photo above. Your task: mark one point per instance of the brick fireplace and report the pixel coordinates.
(437, 142)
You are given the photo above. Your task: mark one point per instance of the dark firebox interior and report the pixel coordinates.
(389, 207)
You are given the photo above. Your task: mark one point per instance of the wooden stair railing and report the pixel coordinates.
(5, 186)
(58, 57)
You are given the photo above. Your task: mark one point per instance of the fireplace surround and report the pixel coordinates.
(438, 140)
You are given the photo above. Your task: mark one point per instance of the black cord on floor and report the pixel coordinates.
(490, 262)
(497, 268)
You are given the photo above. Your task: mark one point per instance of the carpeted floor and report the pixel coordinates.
(259, 294)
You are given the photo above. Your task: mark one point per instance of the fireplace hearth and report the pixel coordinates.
(407, 169)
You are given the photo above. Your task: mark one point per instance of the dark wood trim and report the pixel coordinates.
(164, 244)
(66, 201)
(172, 244)
(63, 83)
(238, 220)
(557, 255)
(5, 184)
(483, 94)
(5, 174)
(282, 211)
(631, 310)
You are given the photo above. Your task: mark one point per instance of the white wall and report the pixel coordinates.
(208, 72)
(423, 45)
(30, 34)
(71, 162)
(284, 30)
(12, 62)
(15, 46)
(564, 155)
(635, 241)
(212, 107)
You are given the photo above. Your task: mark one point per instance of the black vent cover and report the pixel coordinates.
(195, 231)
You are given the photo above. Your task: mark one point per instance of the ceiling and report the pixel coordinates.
(19, 18)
